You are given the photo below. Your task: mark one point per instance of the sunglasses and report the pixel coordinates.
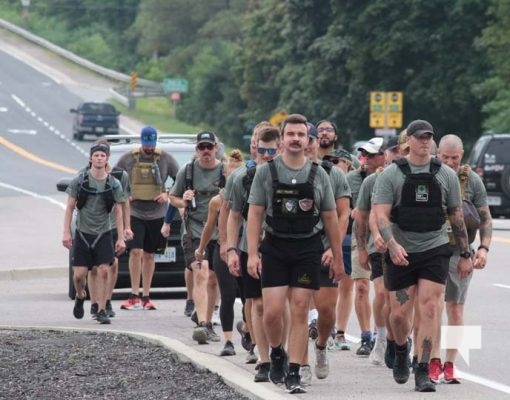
(204, 146)
(147, 138)
(328, 130)
(370, 155)
(262, 151)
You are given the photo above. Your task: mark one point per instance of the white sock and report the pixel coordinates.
(312, 314)
(381, 333)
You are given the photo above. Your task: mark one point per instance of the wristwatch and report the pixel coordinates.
(465, 254)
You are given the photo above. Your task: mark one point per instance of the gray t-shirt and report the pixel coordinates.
(126, 191)
(92, 218)
(475, 190)
(226, 194)
(206, 185)
(262, 191)
(168, 167)
(388, 190)
(355, 179)
(238, 198)
(364, 203)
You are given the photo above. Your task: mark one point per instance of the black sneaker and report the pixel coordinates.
(194, 317)
(94, 309)
(414, 364)
(365, 348)
(401, 365)
(245, 336)
(78, 310)
(190, 306)
(422, 380)
(313, 333)
(389, 354)
(262, 374)
(293, 383)
(109, 309)
(278, 367)
(102, 318)
(228, 349)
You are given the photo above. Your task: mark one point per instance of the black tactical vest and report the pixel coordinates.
(293, 204)
(421, 206)
(251, 168)
(84, 190)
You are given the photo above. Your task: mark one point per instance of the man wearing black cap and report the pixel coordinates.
(94, 193)
(196, 184)
(411, 198)
(148, 167)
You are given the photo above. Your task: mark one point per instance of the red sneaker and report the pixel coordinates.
(147, 304)
(435, 369)
(133, 303)
(450, 373)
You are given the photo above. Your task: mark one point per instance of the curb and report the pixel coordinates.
(235, 377)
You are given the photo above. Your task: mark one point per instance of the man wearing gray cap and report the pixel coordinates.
(411, 199)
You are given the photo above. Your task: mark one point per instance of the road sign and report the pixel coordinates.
(394, 102)
(377, 101)
(175, 85)
(394, 120)
(278, 117)
(377, 120)
(175, 96)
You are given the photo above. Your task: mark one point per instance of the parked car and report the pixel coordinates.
(490, 158)
(170, 262)
(95, 119)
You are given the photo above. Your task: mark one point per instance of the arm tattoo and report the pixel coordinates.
(485, 224)
(362, 234)
(459, 229)
(426, 350)
(402, 296)
(385, 230)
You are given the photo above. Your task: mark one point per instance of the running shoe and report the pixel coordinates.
(109, 309)
(389, 354)
(293, 384)
(341, 343)
(377, 354)
(189, 307)
(102, 318)
(313, 333)
(365, 349)
(211, 335)
(228, 349)
(262, 374)
(321, 362)
(147, 304)
(401, 365)
(194, 317)
(245, 336)
(200, 334)
(435, 370)
(279, 365)
(78, 310)
(422, 380)
(306, 375)
(216, 316)
(450, 373)
(94, 309)
(132, 303)
(251, 357)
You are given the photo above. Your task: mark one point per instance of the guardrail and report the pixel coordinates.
(145, 87)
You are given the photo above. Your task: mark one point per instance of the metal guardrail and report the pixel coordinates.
(146, 87)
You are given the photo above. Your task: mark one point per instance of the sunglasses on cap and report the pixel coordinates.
(262, 151)
(328, 130)
(204, 146)
(149, 137)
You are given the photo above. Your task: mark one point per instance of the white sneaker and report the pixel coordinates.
(321, 363)
(215, 319)
(377, 354)
(306, 375)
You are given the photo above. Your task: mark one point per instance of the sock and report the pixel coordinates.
(381, 333)
(277, 350)
(294, 368)
(366, 336)
(312, 314)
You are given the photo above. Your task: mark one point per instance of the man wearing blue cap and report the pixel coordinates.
(148, 167)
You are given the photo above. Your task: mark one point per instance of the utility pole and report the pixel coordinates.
(24, 14)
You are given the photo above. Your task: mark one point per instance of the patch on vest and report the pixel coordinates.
(306, 204)
(290, 206)
(422, 193)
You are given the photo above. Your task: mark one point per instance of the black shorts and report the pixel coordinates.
(93, 250)
(376, 264)
(431, 265)
(189, 245)
(147, 235)
(291, 262)
(324, 279)
(252, 287)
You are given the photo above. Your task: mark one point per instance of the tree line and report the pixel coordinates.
(248, 59)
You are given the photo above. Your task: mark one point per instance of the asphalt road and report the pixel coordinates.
(34, 264)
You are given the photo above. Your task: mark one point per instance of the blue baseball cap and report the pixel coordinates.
(312, 131)
(149, 136)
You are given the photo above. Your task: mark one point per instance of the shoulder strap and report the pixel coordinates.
(313, 172)
(274, 173)
(403, 164)
(463, 176)
(188, 175)
(327, 165)
(223, 180)
(435, 165)
(117, 172)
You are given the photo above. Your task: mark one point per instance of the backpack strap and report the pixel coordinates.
(222, 180)
(188, 175)
(313, 172)
(435, 165)
(274, 173)
(403, 164)
(463, 173)
(327, 165)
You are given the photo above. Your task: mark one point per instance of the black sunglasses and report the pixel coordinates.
(262, 151)
(203, 146)
(332, 160)
(370, 155)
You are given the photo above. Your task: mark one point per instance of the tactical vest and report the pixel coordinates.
(251, 168)
(293, 204)
(421, 206)
(84, 191)
(145, 177)
(188, 183)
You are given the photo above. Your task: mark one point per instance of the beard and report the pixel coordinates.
(326, 143)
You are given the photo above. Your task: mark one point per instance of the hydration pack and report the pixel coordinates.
(251, 168)
(84, 191)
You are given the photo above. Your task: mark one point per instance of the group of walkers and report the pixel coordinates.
(298, 232)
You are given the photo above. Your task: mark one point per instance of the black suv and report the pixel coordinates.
(490, 158)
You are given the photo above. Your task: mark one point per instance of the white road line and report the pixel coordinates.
(485, 382)
(35, 195)
(502, 286)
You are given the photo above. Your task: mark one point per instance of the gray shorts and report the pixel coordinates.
(189, 245)
(456, 288)
(358, 272)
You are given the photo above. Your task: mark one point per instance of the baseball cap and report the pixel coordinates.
(149, 136)
(312, 131)
(391, 143)
(402, 141)
(373, 146)
(419, 127)
(206, 137)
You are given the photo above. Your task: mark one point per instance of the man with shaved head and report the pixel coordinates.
(450, 152)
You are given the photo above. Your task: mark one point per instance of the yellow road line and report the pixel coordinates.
(22, 152)
(500, 239)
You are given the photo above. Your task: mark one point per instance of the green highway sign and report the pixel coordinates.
(175, 85)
